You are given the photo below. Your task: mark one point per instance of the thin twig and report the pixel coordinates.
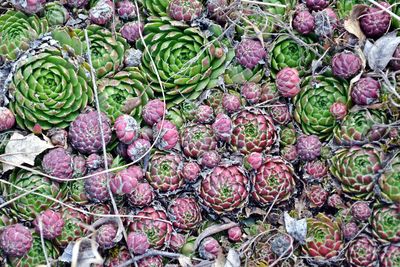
(150, 253)
(42, 242)
(263, 3)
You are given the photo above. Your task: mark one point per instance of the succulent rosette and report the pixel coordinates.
(356, 168)
(350, 230)
(359, 127)
(17, 30)
(126, 180)
(35, 256)
(127, 92)
(317, 196)
(185, 213)
(105, 235)
(390, 256)
(15, 240)
(58, 163)
(250, 52)
(165, 172)
(96, 186)
(324, 238)
(346, 64)
(385, 222)
(126, 9)
(175, 48)
(184, 10)
(49, 90)
(142, 196)
(237, 74)
(29, 205)
(252, 132)
(317, 169)
(49, 223)
(390, 179)
(56, 14)
(313, 102)
(209, 248)
(274, 182)
(338, 110)
(107, 52)
(224, 189)
(196, 139)
(303, 22)
(363, 251)
(287, 52)
(154, 224)
(85, 133)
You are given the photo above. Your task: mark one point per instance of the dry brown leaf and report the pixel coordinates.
(23, 149)
(352, 24)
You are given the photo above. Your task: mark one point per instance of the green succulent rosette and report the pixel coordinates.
(258, 20)
(288, 52)
(185, 64)
(156, 7)
(30, 205)
(389, 181)
(385, 222)
(313, 102)
(49, 90)
(125, 93)
(107, 52)
(237, 74)
(17, 30)
(288, 135)
(357, 168)
(56, 14)
(359, 127)
(324, 238)
(36, 256)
